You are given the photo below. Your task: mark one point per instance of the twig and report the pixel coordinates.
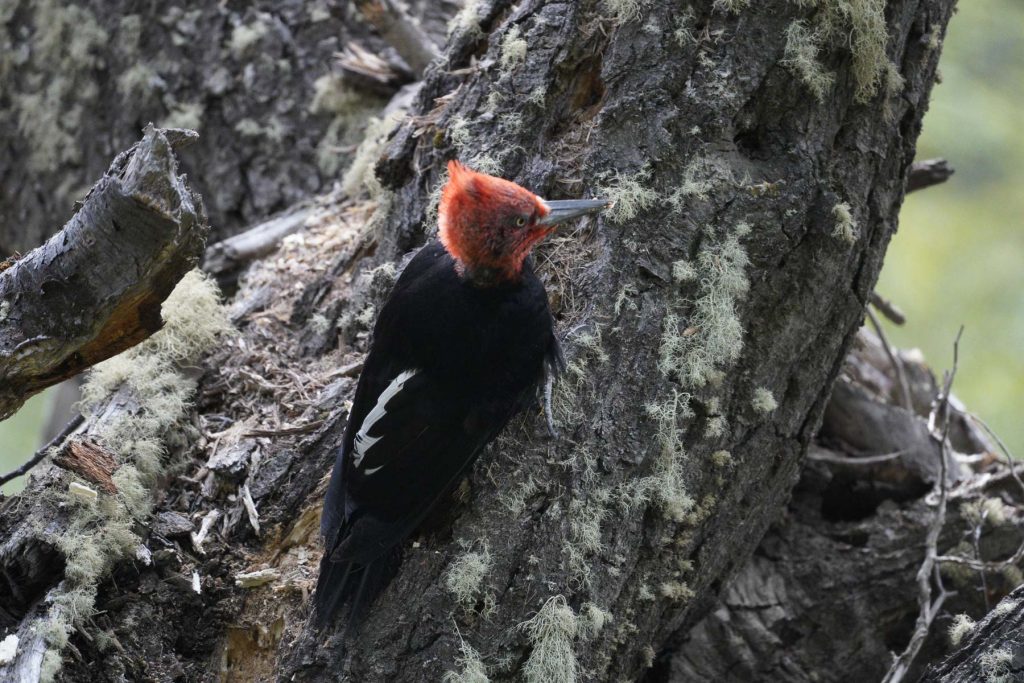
(930, 567)
(887, 308)
(402, 32)
(41, 453)
(897, 365)
(998, 565)
(927, 173)
(846, 460)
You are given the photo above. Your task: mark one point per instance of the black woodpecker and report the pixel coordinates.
(458, 349)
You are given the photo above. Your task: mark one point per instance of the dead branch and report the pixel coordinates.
(402, 32)
(930, 566)
(927, 173)
(95, 288)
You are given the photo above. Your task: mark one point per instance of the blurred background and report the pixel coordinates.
(959, 255)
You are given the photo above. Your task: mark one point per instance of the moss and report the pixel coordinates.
(995, 665)
(630, 195)
(763, 401)
(465, 576)
(714, 334)
(551, 633)
(961, 626)
(513, 50)
(845, 228)
(472, 669)
(801, 57)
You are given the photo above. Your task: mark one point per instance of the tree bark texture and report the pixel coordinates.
(259, 82)
(95, 288)
(830, 592)
(704, 321)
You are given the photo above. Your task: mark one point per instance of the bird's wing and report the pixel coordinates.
(409, 449)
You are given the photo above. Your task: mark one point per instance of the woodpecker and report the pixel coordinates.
(459, 347)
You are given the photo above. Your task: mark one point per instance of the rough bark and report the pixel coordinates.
(830, 592)
(728, 268)
(992, 650)
(259, 82)
(95, 288)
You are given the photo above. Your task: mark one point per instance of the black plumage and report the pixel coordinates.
(477, 353)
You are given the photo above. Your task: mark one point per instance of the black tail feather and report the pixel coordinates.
(342, 582)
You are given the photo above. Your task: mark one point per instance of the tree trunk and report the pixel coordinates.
(757, 156)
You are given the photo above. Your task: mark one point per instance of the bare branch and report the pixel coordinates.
(929, 567)
(901, 377)
(95, 288)
(927, 173)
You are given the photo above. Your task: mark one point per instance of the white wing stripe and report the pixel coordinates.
(363, 440)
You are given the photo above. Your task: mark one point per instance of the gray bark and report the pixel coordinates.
(831, 591)
(95, 288)
(78, 81)
(734, 271)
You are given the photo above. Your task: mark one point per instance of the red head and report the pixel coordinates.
(489, 225)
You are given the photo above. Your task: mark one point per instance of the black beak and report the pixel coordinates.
(566, 209)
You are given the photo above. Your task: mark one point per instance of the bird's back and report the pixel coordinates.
(450, 362)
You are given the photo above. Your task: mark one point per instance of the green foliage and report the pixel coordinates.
(956, 258)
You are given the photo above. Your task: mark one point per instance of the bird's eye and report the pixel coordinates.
(520, 221)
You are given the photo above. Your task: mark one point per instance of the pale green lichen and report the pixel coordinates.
(551, 632)
(845, 227)
(360, 173)
(763, 401)
(1005, 606)
(664, 486)
(630, 195)
(62, 55)
(731, 6)
(623, 11)
(513, 50)
(184, 115)
(677, 591)
(246, 36)
(101, 533)
(592, 619)
(138, 81)
(467, 20)
(995, 665)
(721, 458)
(5, 310)
(713, 335)
(472, 669)
(700, 177)
(465, 576)
(801, 57)
(585, 518)
(684, 30)
(961, 626)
